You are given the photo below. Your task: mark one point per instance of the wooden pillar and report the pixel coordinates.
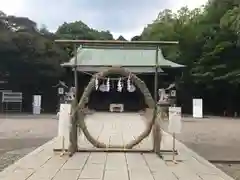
(74, 125)
(156, 126)
(157, 137)
(75, 72)
(73, 136)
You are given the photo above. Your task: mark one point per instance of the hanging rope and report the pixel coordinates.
(109, 78)
(105, 87)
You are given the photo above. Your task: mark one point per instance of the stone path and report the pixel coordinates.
(44, 164)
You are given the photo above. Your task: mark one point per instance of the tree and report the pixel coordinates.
(208, 45)
(136, 38)
(121, 38)
(231, 20)
(79, 30)
(30, 61)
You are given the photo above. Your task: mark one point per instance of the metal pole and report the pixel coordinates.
(112, 42)
(73, 130)
(174, 148)
(156, 144)
(75, 71)
(156, 83)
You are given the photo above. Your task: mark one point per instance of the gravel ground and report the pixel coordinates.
(20, 136)
(213, 138)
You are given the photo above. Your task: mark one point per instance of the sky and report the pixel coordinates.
(120, 17)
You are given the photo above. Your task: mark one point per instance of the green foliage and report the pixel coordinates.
(136, 38)
(30, 60)
(209, 47)
(121, 38)
(79, 30)
(209, 44)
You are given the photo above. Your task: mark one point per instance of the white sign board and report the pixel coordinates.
(60, 91)
(8, 96)
(37, 100)
(37, 104)
(175, 120)
(173, 93)
(197, 108)
(64, 122)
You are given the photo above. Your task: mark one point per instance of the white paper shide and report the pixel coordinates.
(175, 120)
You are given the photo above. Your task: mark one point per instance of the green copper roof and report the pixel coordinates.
(136, 59)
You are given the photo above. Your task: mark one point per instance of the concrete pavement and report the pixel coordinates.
(44, 164)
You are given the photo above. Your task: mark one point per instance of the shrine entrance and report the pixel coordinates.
(130, 57)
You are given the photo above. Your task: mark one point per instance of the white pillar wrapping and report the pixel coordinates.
(64, 124)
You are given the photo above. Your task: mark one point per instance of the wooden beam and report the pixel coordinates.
(115, 42)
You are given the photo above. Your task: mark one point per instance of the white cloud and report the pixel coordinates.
(12, 7)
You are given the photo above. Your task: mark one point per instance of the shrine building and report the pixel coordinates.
(116, 90)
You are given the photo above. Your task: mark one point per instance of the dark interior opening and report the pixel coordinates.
(132, 101)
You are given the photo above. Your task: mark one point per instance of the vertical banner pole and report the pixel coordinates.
(174, 141)
(73, 131)
(156, 83)
(75, 71)
(156, 128)
(174, 127)
(63, 146)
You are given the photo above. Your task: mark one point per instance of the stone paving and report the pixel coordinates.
(44, 164)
